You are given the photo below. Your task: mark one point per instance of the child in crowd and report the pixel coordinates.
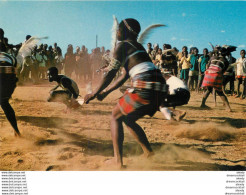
(185, 65)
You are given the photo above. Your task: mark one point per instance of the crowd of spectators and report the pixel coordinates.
(79, 64)
(85, 67)
(191, 66)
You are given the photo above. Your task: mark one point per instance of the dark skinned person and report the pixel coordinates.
(148, 88)
(69, 90)
(8, 82)
(213, 78)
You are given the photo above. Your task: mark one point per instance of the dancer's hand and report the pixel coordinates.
(89, 97)
(102, 95)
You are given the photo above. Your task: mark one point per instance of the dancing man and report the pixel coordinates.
(213, 78)
(69, 92)
(178, 95)
(8, 81)
(147, 82)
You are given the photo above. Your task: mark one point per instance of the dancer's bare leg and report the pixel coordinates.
(138, 133)
(214, 96)
(10, 114)
(225, 100)
(205, 96)
(117, 135)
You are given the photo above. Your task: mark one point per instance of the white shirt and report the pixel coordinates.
(175, 83)
(241, 67)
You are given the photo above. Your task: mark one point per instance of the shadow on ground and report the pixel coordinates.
(93, 147)
(46, 122)
(238, 123)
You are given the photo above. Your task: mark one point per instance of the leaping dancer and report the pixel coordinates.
(149, 88)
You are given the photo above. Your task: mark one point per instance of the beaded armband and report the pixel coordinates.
(114, 64)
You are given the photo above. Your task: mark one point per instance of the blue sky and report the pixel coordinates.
(190, 23)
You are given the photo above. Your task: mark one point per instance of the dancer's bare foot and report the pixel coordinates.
(179, 115)
(148, 154)
(74, 104)
(205, 107)
(229, 109)
(112, 163)
(68, 110)
(17, 134)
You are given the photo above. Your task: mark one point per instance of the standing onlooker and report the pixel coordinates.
(241, 74)
(203, 61)
(169, 60)
(229, 75)
(55, 49)
(95, 60)
(34, 66)
(93, 63)
(154, 52)
(158, 59)
(149, 49)
(59, 60)
(179, 57)
(69, 62)
(85, 63)
(77, 64)
(193, 73)
(42, 59)
(51, 57)
(185, 64)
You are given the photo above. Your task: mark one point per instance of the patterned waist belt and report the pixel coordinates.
(156, 86)
(212, 72)
(7, 70)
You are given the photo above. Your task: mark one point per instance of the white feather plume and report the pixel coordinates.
(114, 34)
(27, 47)
(211, 45)
(145, 34)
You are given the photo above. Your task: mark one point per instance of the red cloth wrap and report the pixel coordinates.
(213, 78)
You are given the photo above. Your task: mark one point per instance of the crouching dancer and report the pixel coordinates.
(8, 82)
(178, 95)
(69, 92)
(147, 82)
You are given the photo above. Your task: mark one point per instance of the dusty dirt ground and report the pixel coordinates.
(54, 140)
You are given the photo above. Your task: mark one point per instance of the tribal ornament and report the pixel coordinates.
(114, 35)
(128, 27)
(27, 47)
(114, 64)
(145, 34)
